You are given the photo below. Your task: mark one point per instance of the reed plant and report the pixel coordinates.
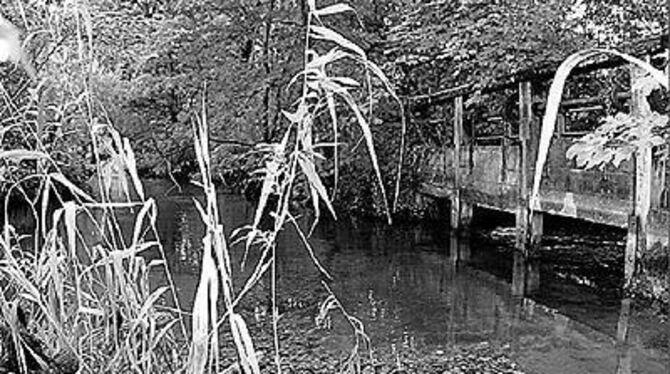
(289, 164)
(76, 291)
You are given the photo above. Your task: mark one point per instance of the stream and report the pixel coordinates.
(433, 302)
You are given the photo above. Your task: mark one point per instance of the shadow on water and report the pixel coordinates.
(419, 289)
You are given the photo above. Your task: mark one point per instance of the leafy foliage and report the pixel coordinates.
(464, 42)
(617, 139)
(620, 136)
(613, 22)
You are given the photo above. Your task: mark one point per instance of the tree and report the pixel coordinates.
(613, 22)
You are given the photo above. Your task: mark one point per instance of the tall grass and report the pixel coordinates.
(76, 292)
(82, 278)
(86, 287)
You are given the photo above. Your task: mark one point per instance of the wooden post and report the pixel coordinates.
(536, 229)
(525, 275)
(526, 222)
(519, 274)
(465, 167)
(532, 276)
(453, 248)
(456, 164)
(638, 226)
(465, 216)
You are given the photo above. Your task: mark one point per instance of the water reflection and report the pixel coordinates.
(420, 289)
(624, 351)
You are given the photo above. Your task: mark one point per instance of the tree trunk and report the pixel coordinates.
(267, 63)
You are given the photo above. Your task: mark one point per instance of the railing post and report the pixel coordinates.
(528, 224)
(638, 225)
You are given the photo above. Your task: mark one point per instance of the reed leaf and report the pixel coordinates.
(245, 345)
(554, 102)
(333, 9)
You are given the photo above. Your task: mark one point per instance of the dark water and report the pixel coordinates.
(421, 291)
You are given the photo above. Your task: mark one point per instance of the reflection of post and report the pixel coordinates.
(624, 354)
(518, 311)
(452, 290)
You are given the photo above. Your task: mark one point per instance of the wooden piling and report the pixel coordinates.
(525, 275)
(532, 276)
(638, 223)
(536, 229)
(528, 223)
(519, 274)
(459, 248)
(465, 216)
(461, 212)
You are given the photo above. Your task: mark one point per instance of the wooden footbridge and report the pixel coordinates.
(496, 171)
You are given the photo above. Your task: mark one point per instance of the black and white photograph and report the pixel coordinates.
(334, 186)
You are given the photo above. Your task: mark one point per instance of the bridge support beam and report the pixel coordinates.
(461, 210)
(459, 248)
(529, 225)
(461, 214)
(525, 275)
(638, 221)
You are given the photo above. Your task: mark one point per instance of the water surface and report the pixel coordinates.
(421, 291)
